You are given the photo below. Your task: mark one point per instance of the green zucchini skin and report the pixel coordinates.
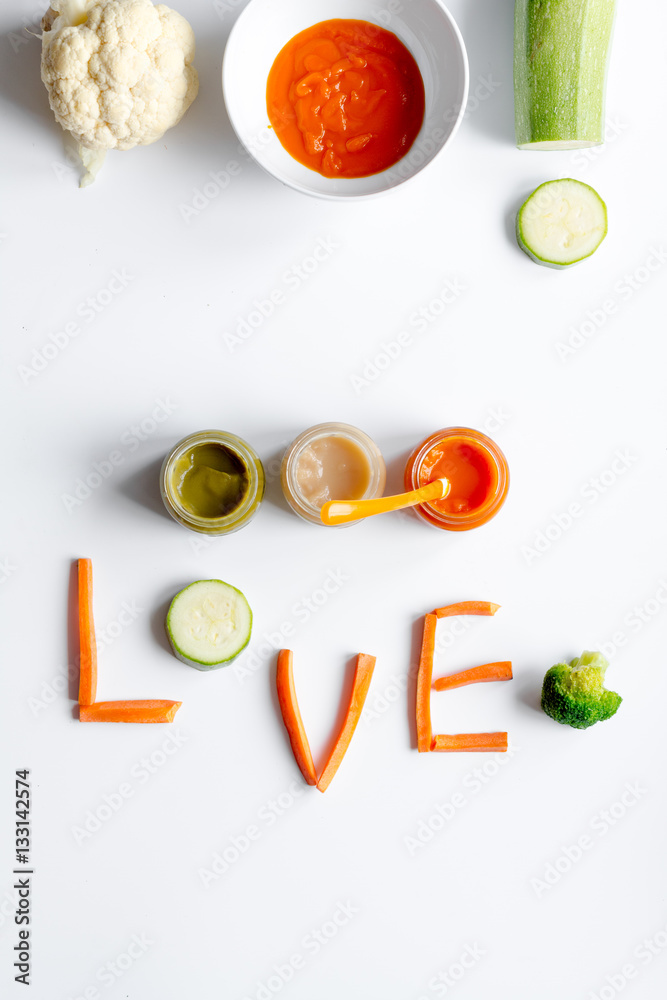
(561, 54)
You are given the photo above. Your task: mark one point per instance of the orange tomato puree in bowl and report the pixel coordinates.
(345, 98)
(477, 471)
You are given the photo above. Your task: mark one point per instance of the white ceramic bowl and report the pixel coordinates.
(425, 26)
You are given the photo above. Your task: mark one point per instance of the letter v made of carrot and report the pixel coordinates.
(294, 724)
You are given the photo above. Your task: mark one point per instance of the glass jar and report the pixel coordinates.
(325, 460)
(212, 482)
(476, 468)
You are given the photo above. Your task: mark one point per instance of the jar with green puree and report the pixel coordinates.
(212, 482)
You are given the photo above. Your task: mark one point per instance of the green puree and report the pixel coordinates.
(210, 480)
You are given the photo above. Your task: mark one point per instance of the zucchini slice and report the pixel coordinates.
(208, 624)
(561, 223)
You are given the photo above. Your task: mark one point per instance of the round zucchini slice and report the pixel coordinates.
(561, 223)
(208, 624)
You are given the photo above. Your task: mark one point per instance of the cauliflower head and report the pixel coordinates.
(118, 73)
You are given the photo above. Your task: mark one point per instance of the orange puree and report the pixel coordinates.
(345, 98)
(469, 468)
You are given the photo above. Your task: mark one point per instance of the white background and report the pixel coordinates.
(490, 360)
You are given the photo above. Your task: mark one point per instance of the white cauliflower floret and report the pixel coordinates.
(119, 73)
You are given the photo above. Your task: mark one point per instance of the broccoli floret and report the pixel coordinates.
(574, 693)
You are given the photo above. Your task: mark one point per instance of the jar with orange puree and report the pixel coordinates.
(476, 469)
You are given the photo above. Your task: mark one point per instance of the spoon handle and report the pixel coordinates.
(342, 511)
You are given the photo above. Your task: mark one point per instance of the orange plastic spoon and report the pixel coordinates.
(343, 511)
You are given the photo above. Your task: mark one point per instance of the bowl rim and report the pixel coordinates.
(296, 185)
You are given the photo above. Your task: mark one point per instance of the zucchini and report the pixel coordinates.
(561, 223)
(208, 624)
(561, 50)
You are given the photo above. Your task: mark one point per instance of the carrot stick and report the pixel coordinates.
(467, 608)
(424, 678)
(87, 644)
(129, 711)
(362, 680)
(469, 742)
(292, 716)
(498, 671)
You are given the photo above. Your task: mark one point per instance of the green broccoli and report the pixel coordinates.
(574, 694)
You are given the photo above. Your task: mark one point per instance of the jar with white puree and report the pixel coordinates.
(331, 462)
